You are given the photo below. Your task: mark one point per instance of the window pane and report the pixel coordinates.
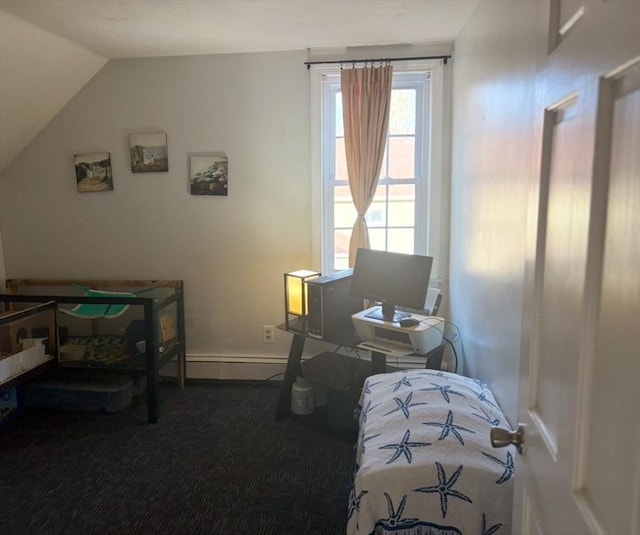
(344, 213)
(376, 214)
(341, 263)
(400, 241)
(342, 194)
(402, 205)
(341, 239)
(377, 239)
(402, 118)
(381, 194)
(341, 160)
(402, 157)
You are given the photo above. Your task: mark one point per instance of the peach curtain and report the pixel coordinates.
(366, 98)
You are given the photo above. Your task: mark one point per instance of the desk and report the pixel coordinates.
(348, 338)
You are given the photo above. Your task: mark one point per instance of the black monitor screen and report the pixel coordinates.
(393, 279)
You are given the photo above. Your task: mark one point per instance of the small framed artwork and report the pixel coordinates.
(209, 174)
(93, 171)
(149, 152)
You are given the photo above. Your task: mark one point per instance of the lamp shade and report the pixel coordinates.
(296, 297)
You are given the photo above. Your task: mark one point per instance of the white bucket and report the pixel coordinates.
(302, 398)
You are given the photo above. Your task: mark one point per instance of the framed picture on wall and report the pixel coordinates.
(93, 171)
(149, 152)
(208, 174)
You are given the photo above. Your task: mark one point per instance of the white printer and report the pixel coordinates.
(393, 339)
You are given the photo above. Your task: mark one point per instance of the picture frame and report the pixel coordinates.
(149, 152)
(93, 172)
(209, 174)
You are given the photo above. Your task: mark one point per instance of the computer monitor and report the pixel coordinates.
(393, 280)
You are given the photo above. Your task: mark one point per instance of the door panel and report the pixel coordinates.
(608, 488)
(561, 251)
(560, 255)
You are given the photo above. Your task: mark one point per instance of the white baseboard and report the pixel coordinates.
(231, 367)
(255, 368)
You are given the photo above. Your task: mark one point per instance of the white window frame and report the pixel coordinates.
(432, 151)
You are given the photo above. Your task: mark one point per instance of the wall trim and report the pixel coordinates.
(257, 367)
(245, 359)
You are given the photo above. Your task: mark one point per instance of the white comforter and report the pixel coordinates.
(424, 461)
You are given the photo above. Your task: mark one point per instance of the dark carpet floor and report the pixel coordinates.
(216, 463)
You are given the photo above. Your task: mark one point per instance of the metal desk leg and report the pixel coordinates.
(153, 411)
(293, 366)
(182, 356)
(181, 368)
(151, 335)
(378, 362)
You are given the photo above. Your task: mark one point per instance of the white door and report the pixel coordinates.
(580, 369)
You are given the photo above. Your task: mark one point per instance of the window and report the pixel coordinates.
(404, 215)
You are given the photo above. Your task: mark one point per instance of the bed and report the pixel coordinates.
(424, 461)
(131, 327)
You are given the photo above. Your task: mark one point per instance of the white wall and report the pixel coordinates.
(2, 268)
(494, 76)
(230, 251)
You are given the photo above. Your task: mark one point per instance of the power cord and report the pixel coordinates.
(458, 334)
(451, 340)
(455, 353)
(272, 377)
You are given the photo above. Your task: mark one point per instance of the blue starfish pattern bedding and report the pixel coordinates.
(424, 461)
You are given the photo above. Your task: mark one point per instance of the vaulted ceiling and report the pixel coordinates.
(50, 48)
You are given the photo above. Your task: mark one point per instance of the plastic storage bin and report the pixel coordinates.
(79, 392)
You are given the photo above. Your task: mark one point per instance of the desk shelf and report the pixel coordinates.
(320, 365)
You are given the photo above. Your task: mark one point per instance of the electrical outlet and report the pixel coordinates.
(268, 333)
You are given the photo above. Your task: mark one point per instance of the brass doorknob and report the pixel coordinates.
(501, 437)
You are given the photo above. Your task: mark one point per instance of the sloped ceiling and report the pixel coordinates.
(39, 73)
(50, 49)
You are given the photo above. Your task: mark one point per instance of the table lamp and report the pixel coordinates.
(296, 298)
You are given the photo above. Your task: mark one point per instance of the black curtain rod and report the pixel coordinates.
(353, 61)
